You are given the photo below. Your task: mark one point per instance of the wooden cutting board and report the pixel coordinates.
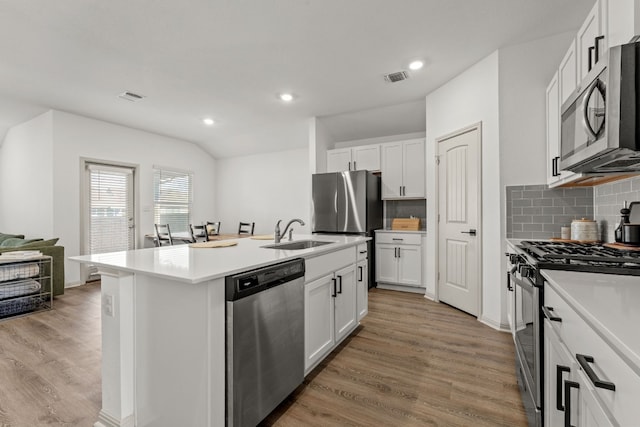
(622, 246)
(218, 244)
(409, 224)
(263, 237)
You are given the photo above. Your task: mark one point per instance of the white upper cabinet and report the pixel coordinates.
(403, 169)
(568, 74)
(621, 25)
(365, 157)
(591, 42)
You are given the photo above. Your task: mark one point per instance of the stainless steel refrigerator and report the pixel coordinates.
(348, 203)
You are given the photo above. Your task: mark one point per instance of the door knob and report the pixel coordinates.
(471, 232)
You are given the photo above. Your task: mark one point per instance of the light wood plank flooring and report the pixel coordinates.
(411, 362)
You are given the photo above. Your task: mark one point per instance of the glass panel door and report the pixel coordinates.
(109, 217)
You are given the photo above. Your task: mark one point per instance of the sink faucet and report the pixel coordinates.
(278, 236)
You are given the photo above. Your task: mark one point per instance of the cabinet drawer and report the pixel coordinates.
(325, 264)
(399, 238)
(361, 251)
(581, 339)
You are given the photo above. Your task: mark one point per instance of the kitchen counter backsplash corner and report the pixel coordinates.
(538, 212)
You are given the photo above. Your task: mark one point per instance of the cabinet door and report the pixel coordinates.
(386, 263)
(410, 265)
(591, 28)
(345, 302)
(366, 157)
(553, 130)
(318, 319)
(620, 23)
(391, 169)
(568, 73)
(590, 412)
(413, 172)
(558, 367)
(362, 282)
(339, 160)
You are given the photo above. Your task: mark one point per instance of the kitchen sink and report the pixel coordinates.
(300, 244)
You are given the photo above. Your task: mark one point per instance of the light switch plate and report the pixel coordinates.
(107, 305)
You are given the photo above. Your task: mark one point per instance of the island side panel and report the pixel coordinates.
(180, 352)
(117, 349)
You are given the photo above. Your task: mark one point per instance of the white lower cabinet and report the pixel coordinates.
(333, 302)
(362, 288)
(319, 320)
(399, 259)
(600, 388)
(558, 367)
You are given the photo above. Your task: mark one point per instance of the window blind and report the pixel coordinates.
(173, 198)
(111, 208)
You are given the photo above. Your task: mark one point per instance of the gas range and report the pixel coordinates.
(587, 257)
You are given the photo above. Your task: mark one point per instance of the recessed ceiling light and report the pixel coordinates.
(416, 65)
(286, 97)
(208, 121)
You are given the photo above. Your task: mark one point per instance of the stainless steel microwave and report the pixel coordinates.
(600, 123)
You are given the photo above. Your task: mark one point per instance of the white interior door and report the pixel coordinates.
(109, 214)
(459, 241)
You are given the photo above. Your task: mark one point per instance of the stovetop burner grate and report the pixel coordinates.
(590, 257)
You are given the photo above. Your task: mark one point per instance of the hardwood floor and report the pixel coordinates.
(50, 363)
(411, 362)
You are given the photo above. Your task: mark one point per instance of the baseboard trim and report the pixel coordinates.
(106, 420)
(502, 327)
(415, 290)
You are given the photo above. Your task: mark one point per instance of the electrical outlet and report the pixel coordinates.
(107, 305)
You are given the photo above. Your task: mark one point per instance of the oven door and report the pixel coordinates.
(526, 300)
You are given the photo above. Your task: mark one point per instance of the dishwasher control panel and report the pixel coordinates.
(250, 282)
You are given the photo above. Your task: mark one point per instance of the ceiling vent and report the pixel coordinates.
(130, 96)
(396, 77)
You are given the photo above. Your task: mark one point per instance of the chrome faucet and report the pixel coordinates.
(278, 236)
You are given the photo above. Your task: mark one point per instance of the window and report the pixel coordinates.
(172, 198)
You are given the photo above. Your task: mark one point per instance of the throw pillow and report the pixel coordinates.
(14, 242)
(40, 243)
(4, 236)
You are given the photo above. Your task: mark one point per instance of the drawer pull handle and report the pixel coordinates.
(568, 385)
(547, 313)
(559, 370)
(395, 239)
(363, 252)
(584, 362)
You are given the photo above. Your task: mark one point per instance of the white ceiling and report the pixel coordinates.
(229, 59)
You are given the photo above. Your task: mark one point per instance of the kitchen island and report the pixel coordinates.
(163, 325)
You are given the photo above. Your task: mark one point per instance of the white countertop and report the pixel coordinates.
(194, 265)
(609, 303)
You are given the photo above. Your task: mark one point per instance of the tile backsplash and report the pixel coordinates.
(608, 199)
(538, 212)
(405, 209)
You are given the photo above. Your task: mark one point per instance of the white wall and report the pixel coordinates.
(264, 188)
(470, 98)
(75, 137)
(26, 185)
(525, 71)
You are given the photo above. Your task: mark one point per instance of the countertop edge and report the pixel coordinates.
(620, 348)
(305, 253)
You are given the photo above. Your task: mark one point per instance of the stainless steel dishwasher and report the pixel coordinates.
(264, 339)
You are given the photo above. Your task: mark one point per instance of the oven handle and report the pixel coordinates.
(547, 313)
(584, 362)
(526, 284)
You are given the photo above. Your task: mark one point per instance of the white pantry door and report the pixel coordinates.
(459, 242)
